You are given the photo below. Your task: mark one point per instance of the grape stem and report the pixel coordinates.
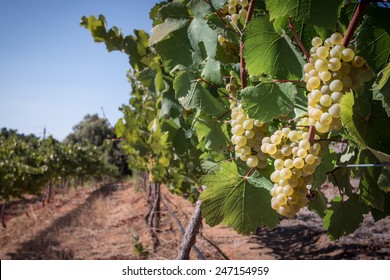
(221, 18)
(331, 140)
(292, 28)
(235, 25)
(357, 16)
(223, 115)
(288, 81)
(215, 87)
(243, 71)
(250, 172)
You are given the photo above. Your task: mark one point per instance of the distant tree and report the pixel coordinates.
(92, 129)
(96, 131)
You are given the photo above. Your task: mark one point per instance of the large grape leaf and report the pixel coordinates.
(384, 178)
(212, 71)
(328, 163)
(230, 199)
(318, 203)
(159, 32)
(369, 177)
(267, 101)
(175, 50)
(365, 120)
(192, 95)
(316, 12)
(382, 88)
(187, 39)
(344, 217)
(211, 132)
(267, 52)
(373, 38)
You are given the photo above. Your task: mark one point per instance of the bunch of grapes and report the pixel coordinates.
(227, 46)
(247, 134)
(236, 9)
(333, 70)
(295, 162)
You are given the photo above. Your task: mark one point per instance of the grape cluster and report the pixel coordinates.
(227, 46)
(236, 9)
(295, 162)
(247, 134)
(333, 70)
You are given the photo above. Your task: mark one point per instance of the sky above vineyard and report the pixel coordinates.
(51, 71)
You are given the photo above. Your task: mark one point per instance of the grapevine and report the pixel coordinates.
(262, 146)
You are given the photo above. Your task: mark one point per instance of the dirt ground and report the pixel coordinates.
(108, 223)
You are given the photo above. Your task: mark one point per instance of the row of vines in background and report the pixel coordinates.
(29, 164)
(249, 100)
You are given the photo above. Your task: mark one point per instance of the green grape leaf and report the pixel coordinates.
(202, 38)
(370, 192)
(341, 177)
(382, 88)
(216, 24)
(384, 180)
(373, 38)
(173, 10)
(328, 163)
(344, 217)
(260, 178)
(316, 12)
(170, 106)
(267, 52)
(212, 71)
(175, 50)
(159, 32)
(209, 166)
(230, 199)
(267, 101)
(318, 203)
(192, 95)
(379, 215)
(364, 119)
(212, 132)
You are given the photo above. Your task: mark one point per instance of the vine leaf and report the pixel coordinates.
(192, 95)
(212, 71)
(159, 32)
(344, 217)
(267, 52)
(384, 180)
(328, 163)
(318, 204)
(211, 133)
(373, 38)
(320, 13)
(230, 199)
(267, 101)
(370, 192)
(364, 119)
(382, 88)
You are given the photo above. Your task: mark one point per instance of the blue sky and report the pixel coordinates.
(51, 71)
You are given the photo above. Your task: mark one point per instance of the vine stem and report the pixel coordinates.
(221, 18)
(243, 73)
(288, 81)
(292, 28)
(215, 87)
(223, 115)
(331, 140)
(250, 172)
(357, 16)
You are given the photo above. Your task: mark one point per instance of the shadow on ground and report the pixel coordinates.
(45, 246)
